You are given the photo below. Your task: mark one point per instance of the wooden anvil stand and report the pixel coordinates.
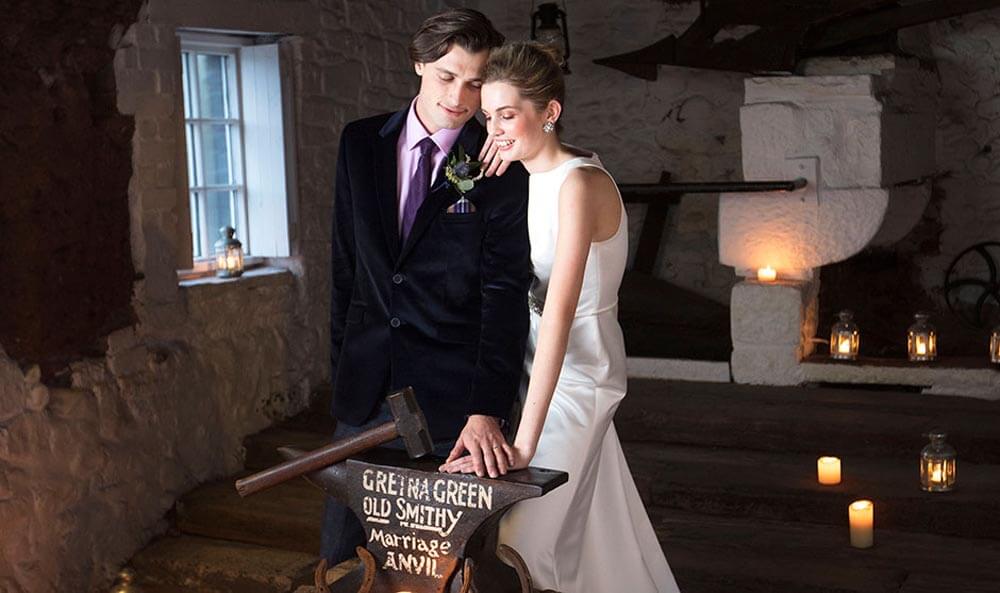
(426, 531)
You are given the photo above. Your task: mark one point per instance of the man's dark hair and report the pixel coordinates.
(469, 29)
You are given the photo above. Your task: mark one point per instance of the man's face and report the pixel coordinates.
(449, 88)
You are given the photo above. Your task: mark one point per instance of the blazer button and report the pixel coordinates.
(395, 322)
(397, 279)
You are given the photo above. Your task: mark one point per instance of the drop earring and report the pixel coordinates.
(548, 127)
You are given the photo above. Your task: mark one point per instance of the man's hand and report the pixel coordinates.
(488, 452)
(519, 458)
(490, 157)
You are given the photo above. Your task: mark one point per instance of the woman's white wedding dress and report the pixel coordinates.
(591, 535)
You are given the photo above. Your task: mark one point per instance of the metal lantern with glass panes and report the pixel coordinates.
(995, 346)
(551, 30)
(938, 463)
(845, 338)
(228, 254)
(921, 339)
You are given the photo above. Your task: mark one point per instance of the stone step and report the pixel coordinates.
(721, 554)
(783, 486)
(195, 564)
(286, 517)
(852, 423)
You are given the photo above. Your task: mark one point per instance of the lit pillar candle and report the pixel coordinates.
(861, 514)
(767, 274)
(828, 470)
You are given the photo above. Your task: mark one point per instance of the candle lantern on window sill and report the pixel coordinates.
(548, 26)
(938, 463)
(845, 337)
(921, 339)
(995, 346)
(228, 254)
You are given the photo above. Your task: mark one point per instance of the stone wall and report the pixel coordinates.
(964, 209)
(95, 452)
(686, 122)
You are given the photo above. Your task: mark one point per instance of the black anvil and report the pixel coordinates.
(426, 531)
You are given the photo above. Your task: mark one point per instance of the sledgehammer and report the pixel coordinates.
(408, 423)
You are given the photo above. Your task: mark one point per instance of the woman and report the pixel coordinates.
(591, 535)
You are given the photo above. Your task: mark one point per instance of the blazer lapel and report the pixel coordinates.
(386, 170)
(441, 192)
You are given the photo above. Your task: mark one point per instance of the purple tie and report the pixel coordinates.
(419, 184)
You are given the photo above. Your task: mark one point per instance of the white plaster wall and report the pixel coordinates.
(686, 122)
(88, 471)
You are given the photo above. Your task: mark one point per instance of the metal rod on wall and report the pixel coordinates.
(710, 187)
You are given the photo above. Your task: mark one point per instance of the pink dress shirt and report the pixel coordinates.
(407, 155)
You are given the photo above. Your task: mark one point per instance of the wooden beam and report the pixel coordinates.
(886, 20)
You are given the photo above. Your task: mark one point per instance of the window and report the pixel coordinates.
(238, 151)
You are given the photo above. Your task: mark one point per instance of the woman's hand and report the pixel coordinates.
(489, 156)
(518, 458)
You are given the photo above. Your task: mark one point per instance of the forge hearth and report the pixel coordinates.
(861, 131)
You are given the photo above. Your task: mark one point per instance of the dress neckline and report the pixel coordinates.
(591, 158)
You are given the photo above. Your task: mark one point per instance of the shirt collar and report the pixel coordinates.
(414, 131)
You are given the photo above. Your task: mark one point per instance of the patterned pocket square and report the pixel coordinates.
(463, 206)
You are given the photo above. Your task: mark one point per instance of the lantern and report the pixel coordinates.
(228, 254)
(995, 346)
(548, 26)
(845, 338)
(938, 464)
(921, 339)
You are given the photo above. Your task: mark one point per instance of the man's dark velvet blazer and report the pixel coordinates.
(445, 312)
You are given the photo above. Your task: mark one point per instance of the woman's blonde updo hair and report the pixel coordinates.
(531, 68)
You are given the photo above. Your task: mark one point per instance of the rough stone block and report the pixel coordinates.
(38, 398)
(13, 389)
(767, 314)
(154, 151)
(770, 134)
(161, 199)
(771, 327)
(766, 366)
(798, 231)
(810, 89)
(154, 104)
(163, 59)
(868, 131)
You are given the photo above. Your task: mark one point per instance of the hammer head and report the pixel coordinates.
(410, 423)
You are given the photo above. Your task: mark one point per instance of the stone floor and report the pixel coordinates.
(728, 475)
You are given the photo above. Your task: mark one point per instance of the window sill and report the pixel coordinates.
(205, 268)
(259, 275)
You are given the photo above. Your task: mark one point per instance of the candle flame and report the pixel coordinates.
(767, 274)
(861, 505)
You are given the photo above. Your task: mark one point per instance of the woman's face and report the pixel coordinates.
(513, 121)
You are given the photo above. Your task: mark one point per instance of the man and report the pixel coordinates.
(429, 284)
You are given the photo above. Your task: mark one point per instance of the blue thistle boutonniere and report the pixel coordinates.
(462, 172)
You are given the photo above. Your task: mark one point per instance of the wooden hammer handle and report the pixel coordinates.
(317, 459)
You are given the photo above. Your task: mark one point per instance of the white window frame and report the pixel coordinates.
(262, 153)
